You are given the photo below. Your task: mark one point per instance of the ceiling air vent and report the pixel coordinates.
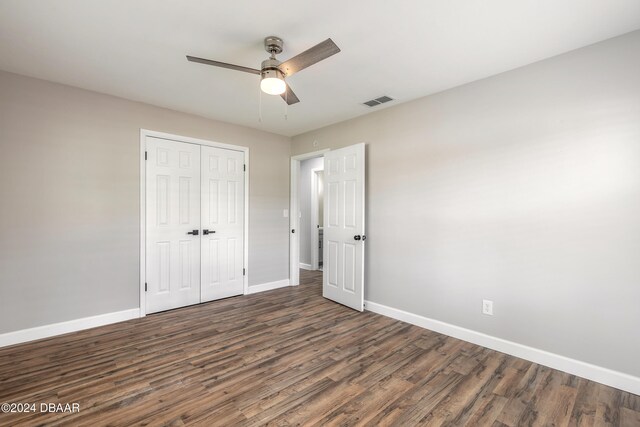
(378, 101)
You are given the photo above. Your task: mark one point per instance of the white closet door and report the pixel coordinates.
(222, 223)
(173, 224)
(344, 239)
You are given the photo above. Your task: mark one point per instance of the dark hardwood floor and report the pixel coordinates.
(289, 357)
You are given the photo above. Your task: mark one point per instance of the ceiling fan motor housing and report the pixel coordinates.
(270, 69)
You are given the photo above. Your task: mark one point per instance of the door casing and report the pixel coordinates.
(144, 133)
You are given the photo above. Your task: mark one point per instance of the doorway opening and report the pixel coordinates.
(306, 215)
(342, 187)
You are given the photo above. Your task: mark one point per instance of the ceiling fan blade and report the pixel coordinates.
(289, 96)
(223, 65)
(309, 57)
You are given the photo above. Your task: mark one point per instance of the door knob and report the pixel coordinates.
(205, 232)
(357, 237)
(194, 232)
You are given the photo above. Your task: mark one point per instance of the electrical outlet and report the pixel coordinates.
(487, 307)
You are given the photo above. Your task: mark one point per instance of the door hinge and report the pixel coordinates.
(244, 167)
(145, 286)
(145, 155)
(244, 272)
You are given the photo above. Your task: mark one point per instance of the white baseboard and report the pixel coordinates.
(254, 289)
(595, 373)
(305, 266)
(46, 331)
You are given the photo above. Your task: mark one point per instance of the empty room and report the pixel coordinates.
(320, 213)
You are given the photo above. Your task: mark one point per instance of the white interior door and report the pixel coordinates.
(173, 224)
(344, 239)
(222, 223)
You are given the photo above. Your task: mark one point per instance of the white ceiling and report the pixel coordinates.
(405, 49)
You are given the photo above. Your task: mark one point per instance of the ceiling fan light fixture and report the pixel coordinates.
(273, 82)
(272, 72)
(273, 86)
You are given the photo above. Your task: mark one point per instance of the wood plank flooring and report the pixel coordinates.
(290, 357)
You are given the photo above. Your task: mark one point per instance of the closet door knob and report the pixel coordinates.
(205, 232)
(357, 237)
(194, 232)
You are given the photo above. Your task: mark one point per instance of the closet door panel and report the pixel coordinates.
(222, 223)
(172, 212)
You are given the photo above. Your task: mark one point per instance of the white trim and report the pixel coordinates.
(144, 133)
(246, 222)
(294, 220)
(306, 266)
(595, 373)
(142, 302)
(54, 329)
(190, 140)
(254, 289)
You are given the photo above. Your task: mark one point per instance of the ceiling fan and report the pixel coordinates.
(273, 72)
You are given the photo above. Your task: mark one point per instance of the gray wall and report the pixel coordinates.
(522, 188)
(69, 199)
(304, 202)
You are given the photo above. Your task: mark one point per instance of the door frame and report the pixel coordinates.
(144, 133)
(294, 219)
(314, 238)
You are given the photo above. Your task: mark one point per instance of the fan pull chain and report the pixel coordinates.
(260, 106)
(286, 105)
